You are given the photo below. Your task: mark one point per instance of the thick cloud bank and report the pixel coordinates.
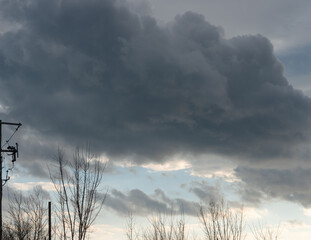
(93, 70)
(290, 184)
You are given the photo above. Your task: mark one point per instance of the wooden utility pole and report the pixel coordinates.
(1, 180)
(50, 222)
(12, 151)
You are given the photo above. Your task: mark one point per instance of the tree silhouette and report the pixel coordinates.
(26, 218)
(77, 182)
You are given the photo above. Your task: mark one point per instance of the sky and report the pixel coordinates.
(188, 100)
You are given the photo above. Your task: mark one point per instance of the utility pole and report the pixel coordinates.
(50, 222)
(11, 151)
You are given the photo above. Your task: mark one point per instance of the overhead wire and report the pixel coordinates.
(7, 141)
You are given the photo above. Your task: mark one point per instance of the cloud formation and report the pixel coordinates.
(285, 22)
(205, 192)
(139, 203)
(289, 184)
(94, 70)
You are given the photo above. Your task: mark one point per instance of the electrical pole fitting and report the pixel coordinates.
(11, 151)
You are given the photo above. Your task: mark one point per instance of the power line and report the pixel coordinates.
(7, 141)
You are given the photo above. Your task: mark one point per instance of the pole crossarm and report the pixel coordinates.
(9, 151)
(14, 124)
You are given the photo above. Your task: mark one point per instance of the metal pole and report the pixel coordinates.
(50, 222)
(1, 179)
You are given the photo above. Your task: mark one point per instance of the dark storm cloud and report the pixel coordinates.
(138, 202)
(289, 184)
(93, 70)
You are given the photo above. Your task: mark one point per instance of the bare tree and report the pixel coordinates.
(18, 224)
(131, 232)
(26, 216)
(36, 209)
(261, 232)
(77, 182)
(162, 227)
(221, 223)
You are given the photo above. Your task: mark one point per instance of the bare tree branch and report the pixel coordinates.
(221, 223)
(26, 218)
(77, 184)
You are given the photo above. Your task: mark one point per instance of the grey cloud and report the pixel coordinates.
(297, 62)
(251, 195)
(283, 20)
(138, 202)
(95, 71)
(205, 192)
(287, 184)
